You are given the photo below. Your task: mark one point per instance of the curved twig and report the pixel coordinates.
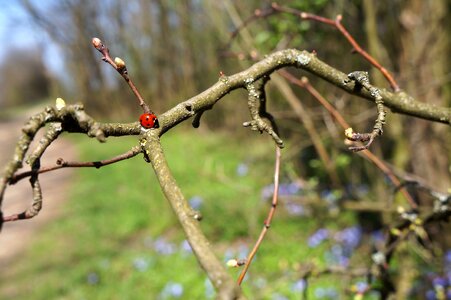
(361, 79)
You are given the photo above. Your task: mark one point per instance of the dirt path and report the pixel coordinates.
(15, 236)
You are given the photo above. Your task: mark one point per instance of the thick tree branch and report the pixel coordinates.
(398, 102)
(189, 220)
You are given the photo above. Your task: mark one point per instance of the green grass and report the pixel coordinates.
(117, 237)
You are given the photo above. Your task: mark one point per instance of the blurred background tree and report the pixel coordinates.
(32, 74)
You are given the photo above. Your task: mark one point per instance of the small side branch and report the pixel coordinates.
(268, 220)
(61, 163)
(119, 65)
(257, 107)
(51, 135)
(361, 80)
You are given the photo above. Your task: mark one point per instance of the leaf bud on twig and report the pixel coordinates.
(60, 103)
(120, 64)
(97, 43)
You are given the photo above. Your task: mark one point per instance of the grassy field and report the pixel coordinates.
(117, 237)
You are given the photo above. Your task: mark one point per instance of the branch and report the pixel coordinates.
(361, 79)
(119, 65)
(74, 119)
(63, 118)
(51, 134)
(257, 107)
(276, 9)
(61, 163)
(189, 219)
(305, 84)
(268, 220)
(398, 102)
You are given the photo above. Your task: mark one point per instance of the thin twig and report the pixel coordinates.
(119, 65)
(61, 163)
(276, 8)
(365, 54)
(268, 220)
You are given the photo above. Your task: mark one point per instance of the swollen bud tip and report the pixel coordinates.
(60, 103)
(349, 133)
(97, 43)
(232, 263)
(119, 63)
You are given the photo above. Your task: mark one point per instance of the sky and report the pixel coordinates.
(16, 31)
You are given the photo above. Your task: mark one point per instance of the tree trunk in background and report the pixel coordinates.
(185, 13)
(166, 66)
(422, 25)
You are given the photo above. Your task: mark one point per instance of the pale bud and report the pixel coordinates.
(119, 63)
(349, 132)
(60, 103)
(97, 43)
(232, 263)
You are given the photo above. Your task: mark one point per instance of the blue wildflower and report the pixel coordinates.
(196, 202)
(242, 169)
(318, 237)
(172, 290)
(295, 209)
(141, 264)
(93, 278)
(163, 247)
(299, 286)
